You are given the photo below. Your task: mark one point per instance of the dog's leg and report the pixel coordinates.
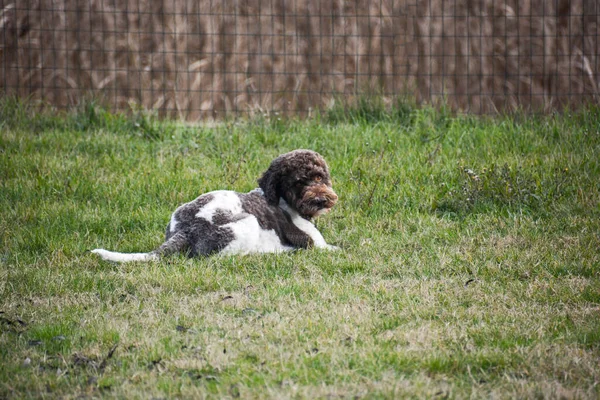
(297, 237)
(302, 230)
(177, 243)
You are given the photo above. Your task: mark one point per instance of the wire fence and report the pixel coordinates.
(208, 59)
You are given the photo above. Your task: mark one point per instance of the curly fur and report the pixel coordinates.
(275, 217)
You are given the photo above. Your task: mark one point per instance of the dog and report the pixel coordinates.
(275, 217)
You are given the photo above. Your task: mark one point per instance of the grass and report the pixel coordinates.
(470, 263)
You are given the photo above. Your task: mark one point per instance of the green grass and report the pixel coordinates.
(470, 262)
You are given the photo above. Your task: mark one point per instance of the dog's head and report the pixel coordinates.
(301, 178)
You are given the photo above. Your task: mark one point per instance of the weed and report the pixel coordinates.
(512, 188)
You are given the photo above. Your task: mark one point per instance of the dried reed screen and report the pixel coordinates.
(195, 59)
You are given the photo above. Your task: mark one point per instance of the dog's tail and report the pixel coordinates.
(124, 257)
(176, 243)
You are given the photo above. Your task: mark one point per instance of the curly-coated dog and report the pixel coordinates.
(272, 218)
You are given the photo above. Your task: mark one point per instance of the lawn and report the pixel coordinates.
(470, 263)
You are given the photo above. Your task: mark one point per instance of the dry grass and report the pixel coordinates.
(202, 59)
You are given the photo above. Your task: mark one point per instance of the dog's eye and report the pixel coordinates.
(317, 179)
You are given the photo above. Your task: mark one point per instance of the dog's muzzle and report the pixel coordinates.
(319, 197)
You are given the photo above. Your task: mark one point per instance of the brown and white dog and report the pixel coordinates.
(272, 218)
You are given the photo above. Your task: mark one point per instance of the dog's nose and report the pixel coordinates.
(321, 201)
(328, 199)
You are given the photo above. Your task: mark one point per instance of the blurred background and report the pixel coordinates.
(198, 60)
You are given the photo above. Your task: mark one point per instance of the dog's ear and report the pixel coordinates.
(269, 183)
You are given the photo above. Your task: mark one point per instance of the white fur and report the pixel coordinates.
(223, 200)
(173, 223)
(124, 257)
(251, 238)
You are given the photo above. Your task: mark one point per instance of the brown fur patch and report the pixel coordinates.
(321, 191)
